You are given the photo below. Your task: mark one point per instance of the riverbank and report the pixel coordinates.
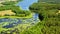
(29, 16)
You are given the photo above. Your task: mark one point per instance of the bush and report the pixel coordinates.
(9, 3)
(20, 15)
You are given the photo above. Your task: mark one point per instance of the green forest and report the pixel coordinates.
(49, 16)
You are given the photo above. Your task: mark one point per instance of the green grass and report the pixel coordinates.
(36, 29)
(20, 27)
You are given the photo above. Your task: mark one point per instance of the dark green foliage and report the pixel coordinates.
(50, 1)
(9, 3)
(51, 26)
(14, 8)
(51, 19)
(45, 9)
(26, 12)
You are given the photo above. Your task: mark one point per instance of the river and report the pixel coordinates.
(11, 22)
(26, 3)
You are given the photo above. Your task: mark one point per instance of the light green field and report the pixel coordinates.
(29, 16)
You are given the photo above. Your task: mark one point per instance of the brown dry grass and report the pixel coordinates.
(9, 12)
(58, 12)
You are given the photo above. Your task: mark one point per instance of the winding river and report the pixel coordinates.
(11, 22)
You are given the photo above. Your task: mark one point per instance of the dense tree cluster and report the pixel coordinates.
(51, 21)
(50, 1)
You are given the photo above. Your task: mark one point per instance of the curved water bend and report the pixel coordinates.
(26, 3)
(11, 22)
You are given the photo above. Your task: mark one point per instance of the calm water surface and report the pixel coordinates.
(26, 3)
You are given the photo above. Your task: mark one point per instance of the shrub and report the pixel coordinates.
(21, 15)
(6, 15)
